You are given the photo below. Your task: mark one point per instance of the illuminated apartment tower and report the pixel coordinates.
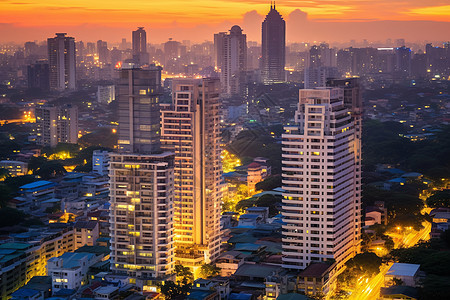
(321, 201)
(190, 127)
(61, 60)
(56, 124)
(141, 184)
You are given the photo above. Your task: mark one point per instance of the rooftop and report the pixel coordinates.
(86, 224)
(292, 296)
(400, 290)
(315, 270)
(401, 269)
(36, 184)
(258, 271)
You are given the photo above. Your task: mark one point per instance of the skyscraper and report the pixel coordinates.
(321, 168)
(190, 128)
(232, 60)
(141, 184)
(273, 47)
(62, 61)
(139, 41)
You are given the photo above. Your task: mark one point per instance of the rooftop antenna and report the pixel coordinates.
(274, 4)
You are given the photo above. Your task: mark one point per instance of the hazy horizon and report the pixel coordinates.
(307, 21)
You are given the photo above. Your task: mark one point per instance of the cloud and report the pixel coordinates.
(298, 15)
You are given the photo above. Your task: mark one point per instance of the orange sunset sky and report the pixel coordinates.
(197, 20)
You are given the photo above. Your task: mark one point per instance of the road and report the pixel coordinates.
(413, 238)
(407, 240)
(371, 289)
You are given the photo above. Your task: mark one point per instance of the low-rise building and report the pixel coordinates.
(35, 193)
(27, 256)
(399, 292)
(14, 167)
(69, 271)
(229, 262)
(262, 211)
(86, 233)
(317, 279)
(100, 162)
(407, 273)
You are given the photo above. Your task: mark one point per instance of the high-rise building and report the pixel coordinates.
(102, 51)
(56, 124)
(190, 127)
(403, 57)
(273, 47)
(106, 94)
(62, 61)
(141, 184)
(218, 49)
(139, 44)
(38, 75)
(322, 64)
(321, 179)
(232, 52)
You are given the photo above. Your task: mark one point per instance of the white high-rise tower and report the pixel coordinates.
(321, 167)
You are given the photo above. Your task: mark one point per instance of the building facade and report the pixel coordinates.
(190, 128)
(273, 47)
(321, 202)
(62, 61)
(56, 124)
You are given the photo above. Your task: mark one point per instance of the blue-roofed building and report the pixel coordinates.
(240, 296)
(27, 294)
(70, 270)
(202, 295)
(249, 220)
(398, 180)
(39, 287)
(32, 195)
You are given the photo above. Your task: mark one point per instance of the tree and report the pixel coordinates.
(4, 173)
(171, 290)
(36, 162)
(50, 169)
(439, 199)
(269, 183)
(208, 270)
(184, 274)
(5, 194)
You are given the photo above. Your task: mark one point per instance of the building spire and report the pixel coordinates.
(274, 4)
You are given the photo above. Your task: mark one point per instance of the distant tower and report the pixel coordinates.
(102, 51)
(232, 60)
(140, 55)
(61, 59)
(273, 47)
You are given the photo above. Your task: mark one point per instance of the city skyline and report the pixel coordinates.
(413, 20)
